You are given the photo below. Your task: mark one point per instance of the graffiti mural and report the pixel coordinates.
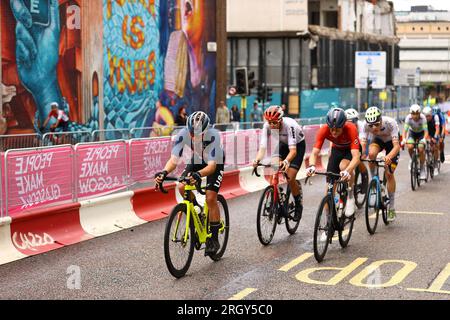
(40, 45)
(108, 64)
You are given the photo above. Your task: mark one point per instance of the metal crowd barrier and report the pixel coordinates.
(110, 134)
(17, 141)
(58, 138)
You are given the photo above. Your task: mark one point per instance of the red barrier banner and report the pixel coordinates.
(229, 147)
(101, 168)
(247, 146)
(37, 178)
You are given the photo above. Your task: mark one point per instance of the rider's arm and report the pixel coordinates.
(263, 143)
(405, 132)
(313, 157)
(209, 169)
(171, 165)
(292, 154)
(355, 160)
(395, 150)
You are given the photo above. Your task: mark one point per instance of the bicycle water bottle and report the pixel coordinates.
(198, 210)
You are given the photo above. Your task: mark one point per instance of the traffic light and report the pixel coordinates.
(251, 81)
(269, 94)
(240, 75)
(261, 92)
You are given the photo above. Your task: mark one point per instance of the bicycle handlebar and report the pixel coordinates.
(185, 180)
(328, 174)
(255, 170)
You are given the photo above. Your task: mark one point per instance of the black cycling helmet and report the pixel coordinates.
(336, 118)
(197, 123)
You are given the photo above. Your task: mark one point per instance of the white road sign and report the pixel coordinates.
(372, 65)
(407, 77)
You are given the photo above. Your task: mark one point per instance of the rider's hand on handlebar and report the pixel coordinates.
(387, 160)
(160, 176)
(195, 178)
(255, 163)
(310, 171)
(363, 156)
(284, 165)
(345, 175)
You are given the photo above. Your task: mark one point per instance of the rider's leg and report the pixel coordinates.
(351, 200)
(374, 150)
(213, 245)
(422, 154)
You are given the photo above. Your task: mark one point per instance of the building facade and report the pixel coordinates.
(425, 43)
(305, 50)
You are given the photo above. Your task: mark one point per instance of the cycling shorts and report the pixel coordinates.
(213, 181)
(298, 160)
(388, 146)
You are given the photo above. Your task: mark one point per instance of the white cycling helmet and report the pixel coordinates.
(415, 108)
(427, 111)
(352, 114)
(373, 115)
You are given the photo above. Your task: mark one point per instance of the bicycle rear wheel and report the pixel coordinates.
(323, 229)
(372, 207)
(360, 188)
(384, 212)
(224, 229)
(266, 221)
(291, 225)
(178, 253)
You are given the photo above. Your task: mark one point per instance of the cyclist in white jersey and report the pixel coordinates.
(385, 136)
(289, 152)
(416, 129)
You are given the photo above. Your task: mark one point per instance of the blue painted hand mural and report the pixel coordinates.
(37, 55)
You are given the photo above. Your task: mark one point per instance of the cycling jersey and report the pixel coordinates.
(290, 133)
(416, 126)
(207, 149)
(347, 140)
(432, 125)
(388, 132)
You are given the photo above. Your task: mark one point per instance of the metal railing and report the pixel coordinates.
(71, 137)
(110, 134)
(17, 141)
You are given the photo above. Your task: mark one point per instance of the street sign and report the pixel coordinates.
(370, 65)
(407, 77)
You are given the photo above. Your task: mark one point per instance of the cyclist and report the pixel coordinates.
(353, 117)
(416, 129)
(345, 155)
(290, 152)
(442, 123)
(434, 129)
(384, 131)
(207, 160)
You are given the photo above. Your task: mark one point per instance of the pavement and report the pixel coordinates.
(407, 260)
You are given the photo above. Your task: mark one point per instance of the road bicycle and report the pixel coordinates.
(377, 198)
(431, 162)
(275, 205)
(331, 217)
(188, 228)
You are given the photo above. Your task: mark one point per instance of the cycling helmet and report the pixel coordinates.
(415, 108)
(273, 113)
(336, 118)
(427, 111)
(352, 115)
(373, 115)
(197, 122)
(436, 110)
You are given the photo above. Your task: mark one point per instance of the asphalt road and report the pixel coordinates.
(411, 253)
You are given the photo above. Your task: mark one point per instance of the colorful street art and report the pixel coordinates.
(139, 62)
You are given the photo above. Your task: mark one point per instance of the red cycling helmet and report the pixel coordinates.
(273, 113)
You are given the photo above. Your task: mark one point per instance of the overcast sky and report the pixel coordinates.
(405, 5)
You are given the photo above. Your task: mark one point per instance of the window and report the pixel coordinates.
(274, 58)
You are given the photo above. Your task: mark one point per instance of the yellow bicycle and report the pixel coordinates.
(188, 228)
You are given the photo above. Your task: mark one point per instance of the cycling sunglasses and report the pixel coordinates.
(375, 125)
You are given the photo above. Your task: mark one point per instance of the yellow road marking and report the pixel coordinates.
(438, 283)
(425, 213)
(296, 262)
(244, 293)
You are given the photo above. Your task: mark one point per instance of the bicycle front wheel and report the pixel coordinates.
(291, 225)
(323, 229)
(178, 251)
(360, 189)
(372, 207)
(413, 173)
(266, 221)
(224, 228)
